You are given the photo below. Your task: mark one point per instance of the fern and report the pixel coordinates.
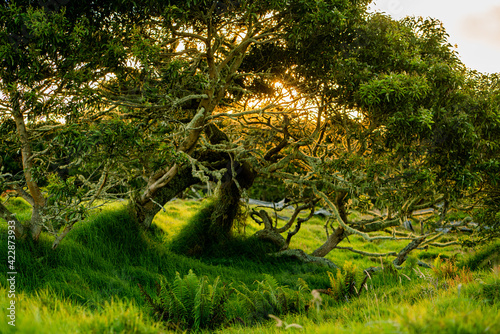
(343, 283)
(177, 307)
(190, 287)
(245, 297)
(303, 286)
(270, 298)
(190, 303)
(349, 280)
(302, 303)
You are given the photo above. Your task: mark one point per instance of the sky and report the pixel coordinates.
(474, 26)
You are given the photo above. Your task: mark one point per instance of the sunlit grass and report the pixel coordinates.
(175, 216)
(89, 284)
(402, 306)
(46, 312)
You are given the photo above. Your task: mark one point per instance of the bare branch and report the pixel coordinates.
(333, 208)
(403, 254)
(25, 195)
(368, 253)
(190, 35)
(296, 212)
(302, 256)
(445, 244)
(248, 112)
(292, 233)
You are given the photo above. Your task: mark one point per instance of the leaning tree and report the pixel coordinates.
(354, 111)
(38, 75)
(389, 120)
(188, 69)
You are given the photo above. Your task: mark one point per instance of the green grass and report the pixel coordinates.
(90, 283)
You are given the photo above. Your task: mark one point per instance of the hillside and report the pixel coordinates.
(90, 283)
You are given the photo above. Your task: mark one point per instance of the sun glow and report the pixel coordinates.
(282, 99)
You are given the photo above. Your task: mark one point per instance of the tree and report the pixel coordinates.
(385, 98)
(351, 110)
(31, 82)
(188, 71)
(49, 61)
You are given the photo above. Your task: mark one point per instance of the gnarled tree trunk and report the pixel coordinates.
(332, 241)
(228, 203)
(144, 211)
(339, 234)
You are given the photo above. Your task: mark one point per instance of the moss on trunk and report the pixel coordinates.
(213, 225)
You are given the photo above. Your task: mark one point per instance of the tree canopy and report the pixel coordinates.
(345, 109)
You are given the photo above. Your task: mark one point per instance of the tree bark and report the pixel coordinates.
(144, 211)
(334, 239)
(27, 155)
(5, 214)
(165, 183)
(302, 256)
(269, 233)
(228, 203)
(376, 226)
(403, 254)
(61, 236)
(144, 208)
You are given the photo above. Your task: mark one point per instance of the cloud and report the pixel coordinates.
(483, 27)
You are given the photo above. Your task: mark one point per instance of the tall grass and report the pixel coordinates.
(404, 303)
(90, 284)
(45, 311)
(108, 256)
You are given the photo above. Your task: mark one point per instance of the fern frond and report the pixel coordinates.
(214, 295)
(190, 287)
(271, 282)
(303, 286)
(218, 313)
(246, 298)
(177, 309)
(176, 287)
(201, 308)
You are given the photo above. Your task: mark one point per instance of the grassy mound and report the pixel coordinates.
(197, 240)
(485, 258)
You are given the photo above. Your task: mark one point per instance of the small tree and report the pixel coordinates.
(47, 69)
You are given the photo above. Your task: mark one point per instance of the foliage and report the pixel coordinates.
(190, 302)
(443, 269)
(448, 270)
(346, 284)
(327, 99)
(357, 110)
(270, 190)
(270, 298)
(48, 65)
